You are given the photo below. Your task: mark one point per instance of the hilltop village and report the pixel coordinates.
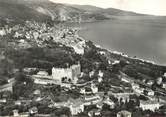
(47, 70)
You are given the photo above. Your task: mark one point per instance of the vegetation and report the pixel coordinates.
(44, 58)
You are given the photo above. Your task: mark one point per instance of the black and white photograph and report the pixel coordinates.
(82, 58)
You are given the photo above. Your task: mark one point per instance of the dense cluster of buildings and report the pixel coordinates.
(38, 33)
(90, 93)
(77, 106)
(68, 76)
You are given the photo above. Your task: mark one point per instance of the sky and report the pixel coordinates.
(154, 7)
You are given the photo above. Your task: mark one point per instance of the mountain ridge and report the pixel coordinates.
(45, 9)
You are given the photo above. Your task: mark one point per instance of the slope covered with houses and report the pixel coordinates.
(48, 70)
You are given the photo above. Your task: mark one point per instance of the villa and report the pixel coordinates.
(58, 74)
(70, 73)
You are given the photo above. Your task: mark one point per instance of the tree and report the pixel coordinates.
(62, 111)
(106, 107)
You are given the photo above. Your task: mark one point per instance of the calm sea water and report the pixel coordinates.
(144, 39)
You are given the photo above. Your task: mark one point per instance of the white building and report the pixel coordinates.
(164, 85)
(42, 73)
(164, 75)
(2, 32)
(37, 92)
(94, 88)
(99, 105)
(43, 78)
(159, 80)
(124, 114)
(33, 110)
(149, 105)
(102, 52)
(149, 92)
(18, 102)
(3, 100)
(88, 100)
(70, 73)
(101, 74)
(137, 88)
(28, 70)
(124, 79)
(116, 62)
(82, 91)
(44, 81)
(16, 114)
(91, 73)
(7, 87)
(17, 34)
(150, 83)
(79, 47)
(94, 112)
(100, 79)
(109, 102)
(76, 108)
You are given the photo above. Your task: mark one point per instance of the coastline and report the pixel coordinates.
(150, 58)
(117, 52)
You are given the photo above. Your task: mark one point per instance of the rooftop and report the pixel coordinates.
(124, 112)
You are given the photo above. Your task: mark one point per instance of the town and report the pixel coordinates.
(48, 70)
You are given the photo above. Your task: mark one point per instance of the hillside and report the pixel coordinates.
(17, 11)
(117, 12)
(107, 11)
(45, 9)
(87, 8)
